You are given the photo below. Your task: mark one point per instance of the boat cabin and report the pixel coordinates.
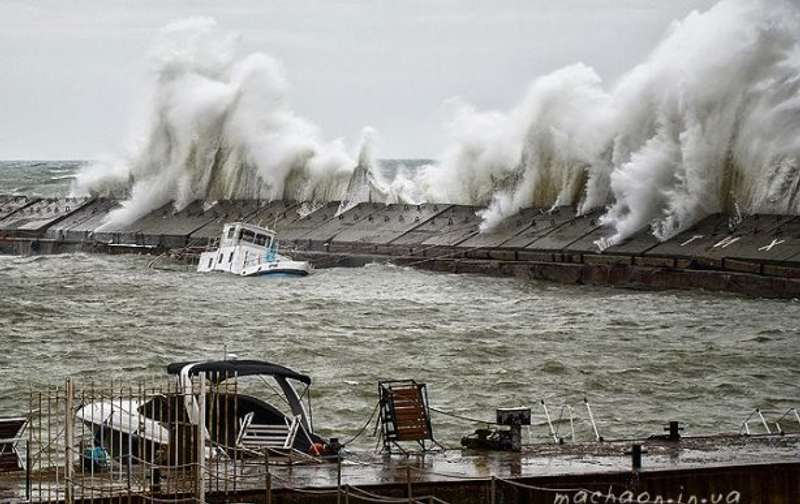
(241, 245)
(246, 235)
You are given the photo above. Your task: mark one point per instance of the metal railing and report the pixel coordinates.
(156, 439)
(758, 415)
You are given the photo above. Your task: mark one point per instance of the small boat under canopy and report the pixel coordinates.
(163, 427)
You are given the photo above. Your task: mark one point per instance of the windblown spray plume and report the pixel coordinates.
(220, 127)
(709, 122)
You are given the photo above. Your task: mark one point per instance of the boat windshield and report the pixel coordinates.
(259, 239)
(246, 235)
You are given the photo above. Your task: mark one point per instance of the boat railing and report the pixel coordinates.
(270, 255)
(255, 261)
(758, 416)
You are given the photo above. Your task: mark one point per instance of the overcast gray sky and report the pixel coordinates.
(74, 72)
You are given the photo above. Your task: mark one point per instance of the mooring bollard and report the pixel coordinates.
(674, 429)
(636, 452)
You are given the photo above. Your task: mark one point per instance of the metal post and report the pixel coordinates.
(674, 429)
(267, 479)
(201, 442)
(156, 486)
(636, 456)
(492, 490)
(408, 482)
(571, 422)
(28, 470)
(130, 443)
(68, 495)
(763, 421)
(550, 423)
(347, 494)
(338, 478)
(591, 419)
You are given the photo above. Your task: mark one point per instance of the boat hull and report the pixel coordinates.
(282, 267)
(217, 261)
(282, 273)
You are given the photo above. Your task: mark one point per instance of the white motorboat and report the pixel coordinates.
(249, 250)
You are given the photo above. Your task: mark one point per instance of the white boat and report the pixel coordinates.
(249, 250)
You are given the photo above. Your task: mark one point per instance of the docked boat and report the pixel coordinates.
(249, 250)
(163, 427)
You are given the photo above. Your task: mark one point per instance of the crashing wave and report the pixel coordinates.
(709, 122)
(220, 128)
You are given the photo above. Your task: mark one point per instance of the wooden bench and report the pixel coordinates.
(404, 414)
(410, 413)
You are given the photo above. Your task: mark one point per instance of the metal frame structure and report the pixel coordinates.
(8, 446)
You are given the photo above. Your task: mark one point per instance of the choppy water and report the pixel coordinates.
(38, 178)
(642, 358)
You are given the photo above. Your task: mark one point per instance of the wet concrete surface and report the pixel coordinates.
(303, 223)
(389, 223)
(367, 468)
(80, 224)
(221, 213)
(565, 462)
(503, 232)
(165, 227)
(542, 223)
(696, 240)
(570, 236)
(12, 203)
(35, 217)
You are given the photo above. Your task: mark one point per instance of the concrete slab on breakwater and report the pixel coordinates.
(81, 223)
(554, 244)
(384, 225)
(12, 203)
(35, 217)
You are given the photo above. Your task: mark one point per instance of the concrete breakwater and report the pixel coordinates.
(754, 255)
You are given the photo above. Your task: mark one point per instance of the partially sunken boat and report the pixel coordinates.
(249, 250)
(164, 427)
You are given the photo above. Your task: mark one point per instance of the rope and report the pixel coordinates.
(461, 417)
(446, 475)
(420, 499)
(372, 497)
(363, 427)
(175, 252)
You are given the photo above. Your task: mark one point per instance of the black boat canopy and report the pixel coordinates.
(220, 370)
